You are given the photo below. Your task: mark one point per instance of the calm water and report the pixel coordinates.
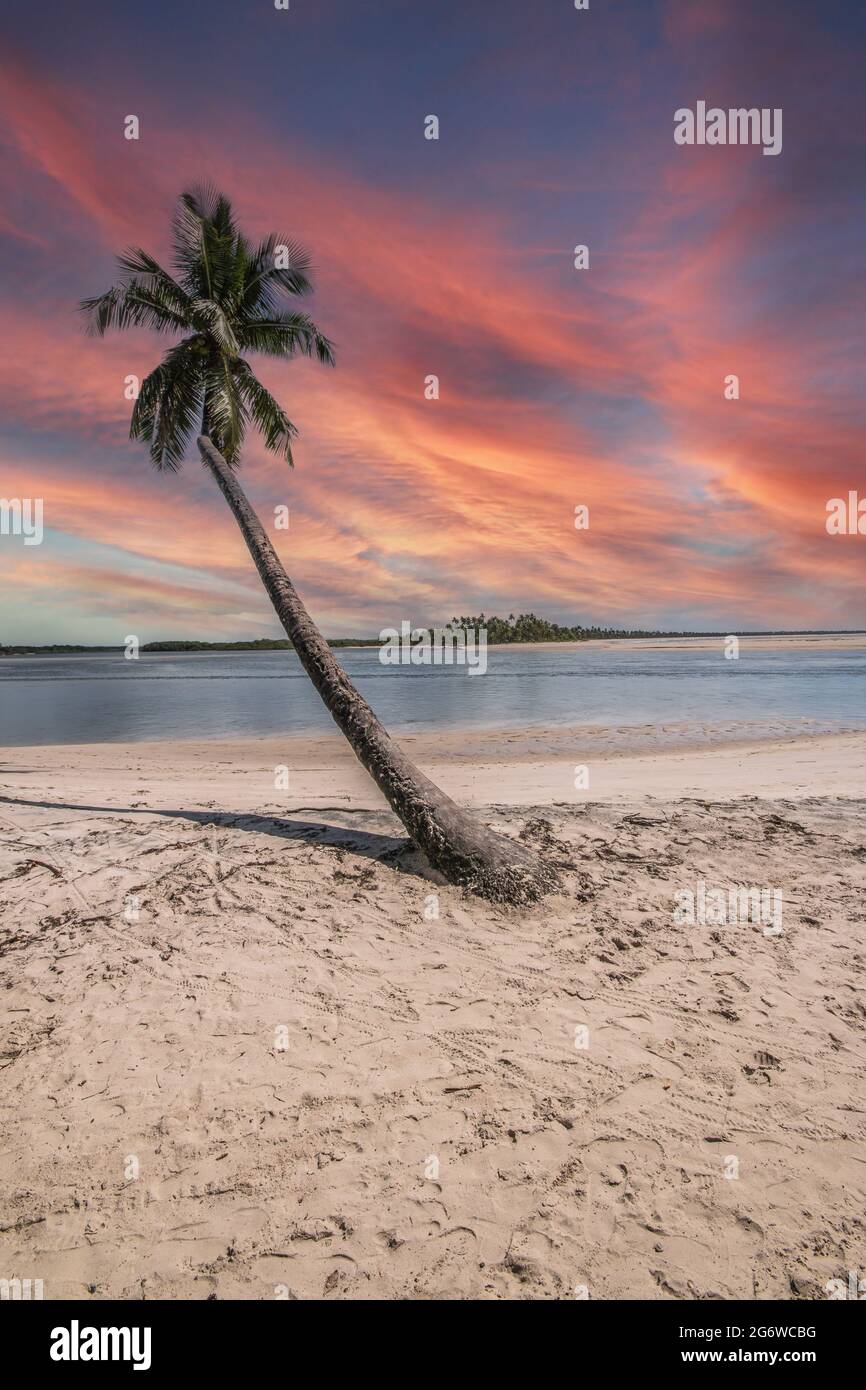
(104, 698)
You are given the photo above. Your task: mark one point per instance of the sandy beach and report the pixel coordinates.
(252, 1049)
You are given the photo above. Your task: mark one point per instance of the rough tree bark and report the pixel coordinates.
(463, 850)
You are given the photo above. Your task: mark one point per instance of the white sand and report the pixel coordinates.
(151, 1046)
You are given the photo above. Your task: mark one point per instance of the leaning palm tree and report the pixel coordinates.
(227, 297)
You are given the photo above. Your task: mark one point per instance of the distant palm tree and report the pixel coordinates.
(226, 297)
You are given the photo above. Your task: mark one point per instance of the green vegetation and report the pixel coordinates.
(262, 644)
(527, 627)
(56, 650)
(530, 628)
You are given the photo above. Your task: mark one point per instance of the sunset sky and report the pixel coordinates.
(559, 387)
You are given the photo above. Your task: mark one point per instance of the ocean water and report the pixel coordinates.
(105, 698)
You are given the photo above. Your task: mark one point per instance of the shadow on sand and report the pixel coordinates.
(365, 843)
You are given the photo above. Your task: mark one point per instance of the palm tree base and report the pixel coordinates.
(472, 856)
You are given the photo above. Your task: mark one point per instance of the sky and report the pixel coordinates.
(559, 387)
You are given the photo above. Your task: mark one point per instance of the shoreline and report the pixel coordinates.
(784, 641)
(514, 766)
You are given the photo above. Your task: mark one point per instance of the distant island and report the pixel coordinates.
(526, 627)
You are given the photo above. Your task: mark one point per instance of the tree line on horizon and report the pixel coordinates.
(525, 627)
(528, 627)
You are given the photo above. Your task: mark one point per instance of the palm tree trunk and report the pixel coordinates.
(461, 848)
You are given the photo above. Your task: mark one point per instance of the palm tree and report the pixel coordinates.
(227, 298)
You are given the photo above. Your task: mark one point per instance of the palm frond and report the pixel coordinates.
(283, 335)
(224, 411)
(266, 413)
(211, 319)
(169, 404)
(137, 264)
(131, 305)
(266, 283)
(205, 236)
